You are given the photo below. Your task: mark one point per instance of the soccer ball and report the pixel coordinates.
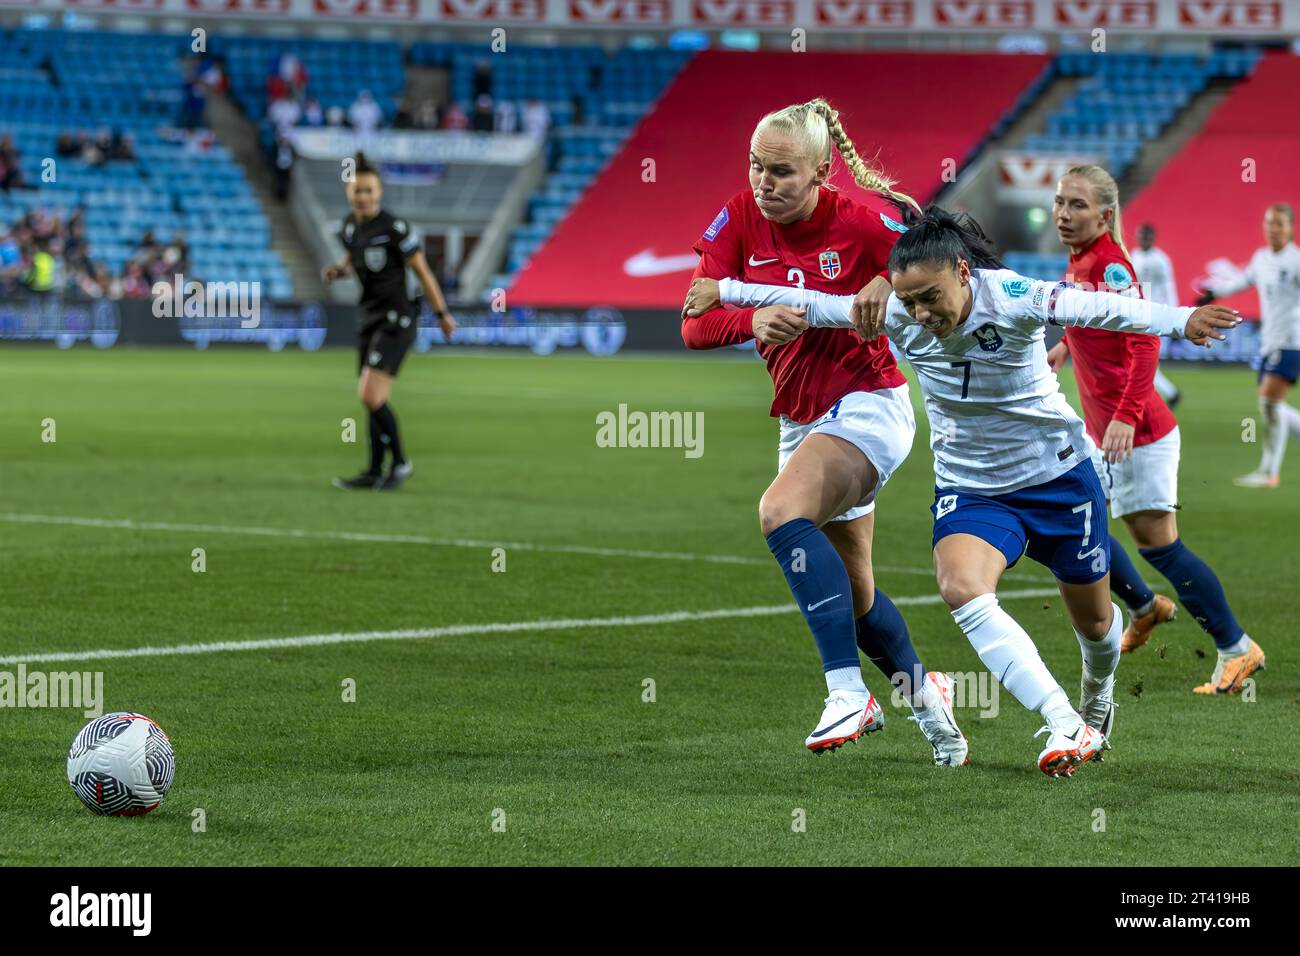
(121, 765)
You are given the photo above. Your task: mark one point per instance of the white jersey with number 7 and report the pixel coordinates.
(998, 419)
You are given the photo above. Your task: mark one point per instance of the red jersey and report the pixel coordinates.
(1115, 370)
(839, 249)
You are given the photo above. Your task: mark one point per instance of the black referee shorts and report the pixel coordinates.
(384, 345)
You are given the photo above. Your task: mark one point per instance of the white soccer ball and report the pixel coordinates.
(121, 765)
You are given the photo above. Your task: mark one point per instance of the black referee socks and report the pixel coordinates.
(383, 416)
(376, 445)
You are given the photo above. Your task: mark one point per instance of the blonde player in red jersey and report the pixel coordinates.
(1137, 437)
(845, 413)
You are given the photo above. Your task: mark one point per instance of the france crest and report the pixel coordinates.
(988, 338)
(830, 264)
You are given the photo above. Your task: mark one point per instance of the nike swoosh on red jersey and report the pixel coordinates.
(646, 263)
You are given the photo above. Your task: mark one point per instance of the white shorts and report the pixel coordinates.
(880, 424)
(1146, 481)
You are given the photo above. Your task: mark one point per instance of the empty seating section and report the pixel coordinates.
(56, 82)
(594, 100)
(1127, 99)
(1124, 101)
(337, 70)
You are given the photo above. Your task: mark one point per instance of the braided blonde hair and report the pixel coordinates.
(816, 126)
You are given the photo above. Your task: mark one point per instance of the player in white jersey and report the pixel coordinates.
(1012, 459)
(1274, 271)
(1155, 271)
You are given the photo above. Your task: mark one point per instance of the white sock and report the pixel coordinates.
(1290, 418)
(1164, 387)
(1275, 435)
(1059, 713)
(1007, 651)
(1234, 650)
(1100, 658)
(845, 678)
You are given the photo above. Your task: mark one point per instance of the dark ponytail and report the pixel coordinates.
(940, 237)
(363, 166)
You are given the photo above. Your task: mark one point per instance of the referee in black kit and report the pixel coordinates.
(379, 249)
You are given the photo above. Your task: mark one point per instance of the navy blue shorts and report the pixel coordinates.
(1061, 523)
(1284, 362)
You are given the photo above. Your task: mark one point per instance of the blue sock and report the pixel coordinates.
(1199, 589)
(1125, 581)
(883, 637)
(820, 584)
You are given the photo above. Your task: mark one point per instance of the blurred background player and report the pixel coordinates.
(1137, 437)
(1274, 270)
(1155, 271)
(380, 247)
(1011, 458)
(846, 418)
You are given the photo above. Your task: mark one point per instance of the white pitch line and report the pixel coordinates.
(129, 525)
(126, 524)
(455, 630)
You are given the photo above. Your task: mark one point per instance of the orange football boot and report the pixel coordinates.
(1139, 629)
(1231, 672)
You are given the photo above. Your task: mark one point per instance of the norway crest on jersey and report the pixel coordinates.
(376, 257)
(830, 264)
(988, 337)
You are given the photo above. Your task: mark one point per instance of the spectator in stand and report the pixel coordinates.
(484, 117)
(11, 262)
(173, 259)
(427, 117)
(41, 276)
(334, 116)
(312, 114)
(365, 115)
(404, 118)
(283, 166)
(537, 118)
(92, 153)
(454, 117)
(276, 88)
(507, 120)
(294, 75)
(93, 280)
(135, 285)
(284, 114)
(121, 146)
(482, 79)
(11, 170)
(211, 72)
(194, 97)
(74, 237)
(67, 146)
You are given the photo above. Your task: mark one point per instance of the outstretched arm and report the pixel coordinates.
(1121, 313)
(823, 310)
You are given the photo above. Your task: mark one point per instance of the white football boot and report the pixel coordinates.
(847, 717)
(1097, 706)
(937, 722)
(1066, 751)
(1257, 479)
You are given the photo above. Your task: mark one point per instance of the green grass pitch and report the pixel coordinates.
(547, 731)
